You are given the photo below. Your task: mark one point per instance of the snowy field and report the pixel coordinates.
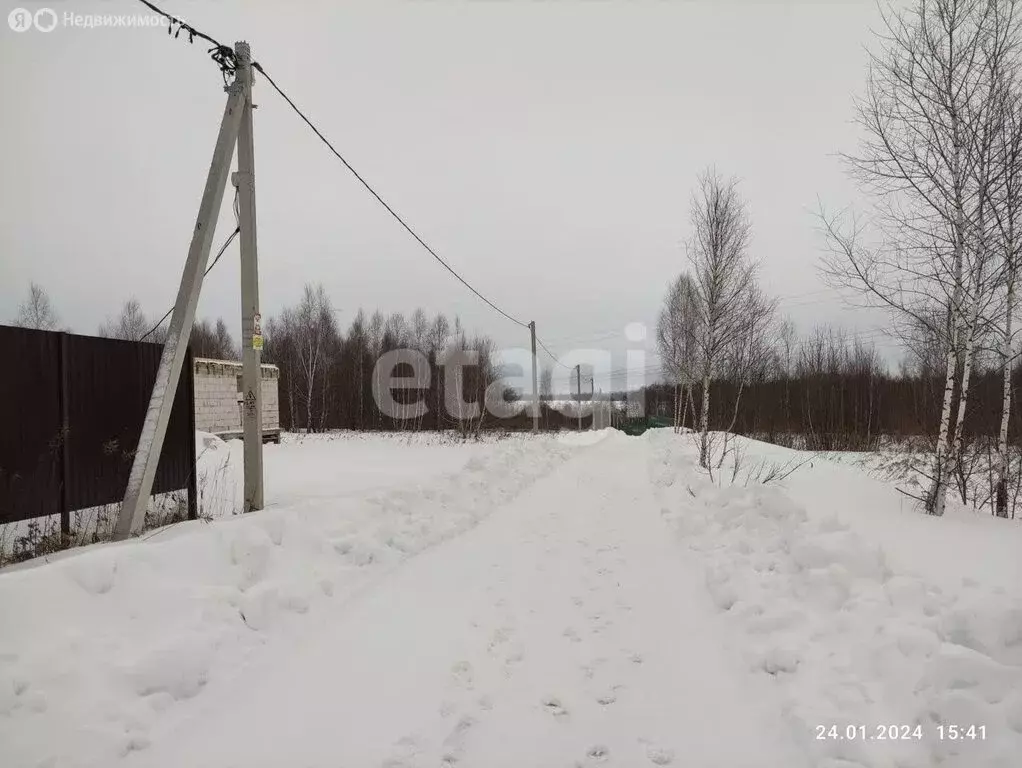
(305, 468)
(584, 600)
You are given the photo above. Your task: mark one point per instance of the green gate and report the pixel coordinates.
(637, 425)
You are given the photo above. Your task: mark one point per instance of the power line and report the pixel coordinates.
(589, 337)
(552, 356)
(222, 55)
(223, 248)
(382, 202)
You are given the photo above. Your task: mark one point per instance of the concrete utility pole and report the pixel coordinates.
(535, 384)
(578, 386)
(251, 322)
(161, 402)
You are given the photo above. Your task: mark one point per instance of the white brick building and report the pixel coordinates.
(218, 399)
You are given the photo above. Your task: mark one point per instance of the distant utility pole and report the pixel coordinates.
(578, 387)
(535, 384)
(154, 429)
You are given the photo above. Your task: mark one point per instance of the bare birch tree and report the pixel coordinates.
(751, 351)
(677, 327)
(309, 328)
(723, 275)
(37, 310)
(926, 161)
(131, 324)
(546, 382)
(1006, 209)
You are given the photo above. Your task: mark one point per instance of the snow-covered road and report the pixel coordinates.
(564, 630)
(565, 601)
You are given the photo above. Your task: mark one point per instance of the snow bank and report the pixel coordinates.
(848, 634)
(586, 437)
(99, 645)
(963, 546)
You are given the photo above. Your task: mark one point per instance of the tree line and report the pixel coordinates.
(831, 392)
(329, 377)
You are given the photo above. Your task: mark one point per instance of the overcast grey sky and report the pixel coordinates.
(547, 149)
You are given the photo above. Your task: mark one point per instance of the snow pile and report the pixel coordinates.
(848, 636)
(587, 437)
(104, 642)
(219, 476)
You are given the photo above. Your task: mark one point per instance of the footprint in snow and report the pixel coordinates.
(658, 755)
(599, 753)
(463, 674)
(553, 705)
(589, 670)
(457, 735)
(499, 637)
(408, 747)
(454, 744)
(514, 658)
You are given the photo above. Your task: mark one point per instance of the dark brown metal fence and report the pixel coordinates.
(71, 412)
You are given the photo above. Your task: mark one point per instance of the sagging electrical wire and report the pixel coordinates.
(374, 193)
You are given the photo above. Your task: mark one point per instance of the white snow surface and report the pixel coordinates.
(580, 600)
(863, 610)
(306, 467)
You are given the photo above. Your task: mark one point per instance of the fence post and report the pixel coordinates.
(65, 429)
(193, 483)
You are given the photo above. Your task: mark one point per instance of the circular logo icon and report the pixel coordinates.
(19, 20)
(45, 19)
